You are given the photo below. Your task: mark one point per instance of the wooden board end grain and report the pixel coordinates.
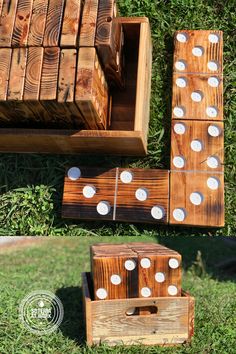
(71, 24)
(88, 24)
(53, 23)
(37, 23)
(22, 23)
(7, 21)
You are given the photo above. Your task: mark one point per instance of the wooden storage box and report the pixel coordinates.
(129, 112)
(107, 322)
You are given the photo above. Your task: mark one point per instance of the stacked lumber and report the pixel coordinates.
(58, 59)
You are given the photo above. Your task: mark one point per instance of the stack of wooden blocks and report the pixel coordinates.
(57, 59)
(137, 296)
(192, 192)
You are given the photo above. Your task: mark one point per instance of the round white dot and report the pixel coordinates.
(182, 37)
(115, 279)
(126, 176)
(172, 290)
(181, 82)
(157, 212)
(74, 173)
(196, 198)
(101, 293)
(198, 51)
(214, 130)
(180, 128)
(178, 161)
(213, 38)
(130, 311)
(212, 111)
(145, 263)
(89, 191)
(213, 183)
(180, 65)
(145, 292)
(141, 194)
(173, 263)
(179, 112)
(130, 264)
(213, 162)
(213, 81)
(103, 208)
(160, 277)
(179, 214)
(213, 65)
(197, 96)
(196, 145)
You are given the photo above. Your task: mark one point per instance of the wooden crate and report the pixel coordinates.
(127, 134)
(171, 322)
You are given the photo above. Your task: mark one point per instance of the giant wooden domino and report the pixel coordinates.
(51, 74)
(132, 270)
(196, 195)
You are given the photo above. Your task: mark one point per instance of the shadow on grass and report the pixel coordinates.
(72, 325)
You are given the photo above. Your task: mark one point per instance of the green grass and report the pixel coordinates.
(31, 185)
(56, 265)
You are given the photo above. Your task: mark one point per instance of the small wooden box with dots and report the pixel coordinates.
(134, 270)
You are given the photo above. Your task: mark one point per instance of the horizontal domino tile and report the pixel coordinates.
(197, 132)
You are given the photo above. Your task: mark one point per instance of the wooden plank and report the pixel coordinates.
(49, 77)
(121, 199)
(201, 201)
(1, 3)
(198, 99)
(143, 197)
(71, 23)
(198, 52)
(53, 23)
(22, 23)
(17, 74)
(7, 21)
(38, 23)
(91, 92)
(5, 63)
(66, 87)
(109, 42)
(197, 145)
(88, 24)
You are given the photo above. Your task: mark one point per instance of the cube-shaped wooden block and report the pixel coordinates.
(197, 145)
(114, 270)
(197, 96)
(135, 270)
(197, 198)
(198, 52)
(132, 195)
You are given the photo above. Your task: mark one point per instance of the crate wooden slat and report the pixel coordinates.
(38, 23)
(71, 23)
(22, 23)
(128, 132)
(107, 322)
(88, 24)
(7, 21)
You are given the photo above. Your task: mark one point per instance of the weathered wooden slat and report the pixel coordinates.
(91, 94)
(71, 23)
(17, 74)
(66, 87)
(88, 24)
(49, 78)
(53, 23)
(22, 23)
(38, 23)
(109, 42)
(7, 21)
(5, 64)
